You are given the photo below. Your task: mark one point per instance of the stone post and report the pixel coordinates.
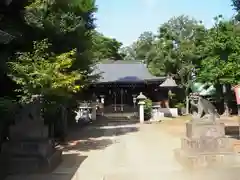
(141, 111)
(94, 112)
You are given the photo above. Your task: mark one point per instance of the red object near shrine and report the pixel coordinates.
(237, 93)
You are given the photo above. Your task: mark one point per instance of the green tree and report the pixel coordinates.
(129, 52)
(222, 46)
(12, 30)
(48, 74)
(67, 25)
(105, 48)
(140, 48)
(143, 45)
(175, 50)
(221, 63)
(236, 6)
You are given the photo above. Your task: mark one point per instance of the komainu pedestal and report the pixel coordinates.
(3, 171)
(205, 145)
(29, 150)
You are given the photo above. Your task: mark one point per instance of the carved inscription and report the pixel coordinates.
(206, 144)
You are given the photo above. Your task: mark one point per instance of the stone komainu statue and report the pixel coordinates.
(205, 108)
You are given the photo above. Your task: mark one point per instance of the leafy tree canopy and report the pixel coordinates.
(222, 49)
(38, 72)
(106, 48)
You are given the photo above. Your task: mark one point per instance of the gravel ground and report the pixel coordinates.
(122, 151)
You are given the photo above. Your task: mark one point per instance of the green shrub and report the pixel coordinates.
(180, 105)
(181, 108)
(148, 109)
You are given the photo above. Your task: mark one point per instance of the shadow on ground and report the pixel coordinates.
(98, 135)
(65, 171)
(81, 140)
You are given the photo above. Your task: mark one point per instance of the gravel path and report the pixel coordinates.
(120, 151)
(145, 154)
(138, 155)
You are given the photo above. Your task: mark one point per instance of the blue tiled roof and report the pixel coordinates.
(124, 71)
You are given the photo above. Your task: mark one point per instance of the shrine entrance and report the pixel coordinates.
(121, 100)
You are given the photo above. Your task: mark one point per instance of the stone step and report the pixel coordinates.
(23, 165)
(119, 118)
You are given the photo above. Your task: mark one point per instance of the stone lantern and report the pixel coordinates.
(141, 97)
(169, 83)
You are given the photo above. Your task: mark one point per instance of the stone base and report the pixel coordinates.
(3, 171)
(206, 160)
(26, 165)
(29, 147)
(195, 129)
(31, 156)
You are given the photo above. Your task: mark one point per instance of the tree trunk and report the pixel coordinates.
(186, 91)
(187, 104)
(225, 89)
(64, 119)
(187, 101)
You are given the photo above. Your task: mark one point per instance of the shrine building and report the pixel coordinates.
(120, 82)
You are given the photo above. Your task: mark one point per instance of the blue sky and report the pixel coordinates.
(125, 20)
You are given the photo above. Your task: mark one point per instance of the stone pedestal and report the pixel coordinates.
(205, 145)
(4, 167)
(29, 149)
(94, 111)
(199, 129)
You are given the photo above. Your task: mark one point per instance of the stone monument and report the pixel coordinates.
(29, 150)
(205, 144)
